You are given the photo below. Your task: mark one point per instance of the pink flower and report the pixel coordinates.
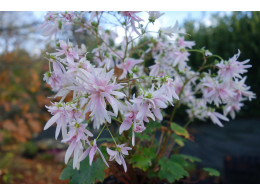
(218, 91)
(138, 128)
(127, 66)
(98, 85)
(77, 134)
(241, 89)
(132, 18)
(154, 70)
(50, 25)
(130, 117)
(66, 49)
(91, 151)
(180, 59)
(153, 15)
(59, 112)
(118, 155)
(232, 68)
(171, 30)
(69, 16)
(185, 44)
(232, 107)
(82, 63)
(154, 100)
(169, 89)
(215, 116)
(56, 78)
(178, 83)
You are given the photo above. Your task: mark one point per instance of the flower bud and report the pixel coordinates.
(48, 74)
(135, 70)
(77, 125)
(131, 75)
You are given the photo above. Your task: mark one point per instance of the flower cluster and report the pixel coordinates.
(222, 87)
(108, 83)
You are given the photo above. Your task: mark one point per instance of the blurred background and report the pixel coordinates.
(30, 155)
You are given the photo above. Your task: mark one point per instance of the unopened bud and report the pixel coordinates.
(77, 125)
(131, 75)
(149, 96)
(135, 70)
(48, 74)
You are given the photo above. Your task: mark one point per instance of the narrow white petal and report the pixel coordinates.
(52, 120)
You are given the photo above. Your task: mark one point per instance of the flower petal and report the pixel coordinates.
(103, 158)
(69, 151)
(52, 120)
(123, 162)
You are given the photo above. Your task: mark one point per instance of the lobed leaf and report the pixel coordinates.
(170, 170)
(212, 172)
(87, 174)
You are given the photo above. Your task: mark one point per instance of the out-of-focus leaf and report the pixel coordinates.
(143, 136)
(179, 130)
(170, 170)
(190, 158)
(179, 140)
(186, 161)
(87, 174)
(143, 161)
(212, 172)
(153, 125)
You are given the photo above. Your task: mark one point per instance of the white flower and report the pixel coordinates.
(118, 155)
(153, 15)
(208, 53)
(171, 30)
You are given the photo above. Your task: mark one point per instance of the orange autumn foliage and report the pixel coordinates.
(22, 96)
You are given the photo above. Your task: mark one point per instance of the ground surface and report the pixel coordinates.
(237, 141)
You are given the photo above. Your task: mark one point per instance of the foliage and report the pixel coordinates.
(87, 174)
(212, 172)
(172, 169)
(22, 96)
(179, 130)
(144, 159)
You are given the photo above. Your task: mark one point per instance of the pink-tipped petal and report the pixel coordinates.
(52, 121)
(123, 162)
(103, 158)
(69, 151)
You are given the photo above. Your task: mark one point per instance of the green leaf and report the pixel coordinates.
(190, 158)
(179, 130)
(186, 161)
(143, 161)
(153, 125)
(170, 170)
(147, 134)
(212, 172)
(179, 140)
(143, 136)
(87, 174)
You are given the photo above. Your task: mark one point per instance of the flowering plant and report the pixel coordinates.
(112, 90)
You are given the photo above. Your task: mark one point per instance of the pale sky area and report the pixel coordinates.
(168, 19)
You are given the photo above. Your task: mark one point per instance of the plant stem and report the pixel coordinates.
(111, 135)
(187, 124)
(116, 119)
(100, 132)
